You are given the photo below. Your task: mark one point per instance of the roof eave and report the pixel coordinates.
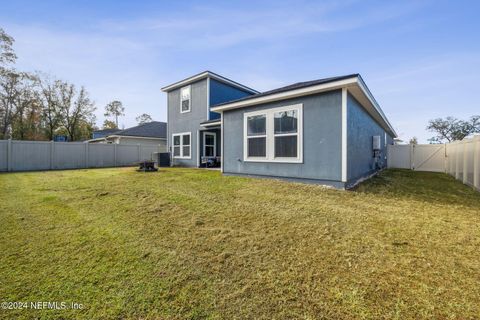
(204, 75)
(324, 87)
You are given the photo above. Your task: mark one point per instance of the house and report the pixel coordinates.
(328, 131)
(102, 133)
(152, 133)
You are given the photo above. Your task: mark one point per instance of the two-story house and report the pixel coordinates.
(194, 130)
(328, 131)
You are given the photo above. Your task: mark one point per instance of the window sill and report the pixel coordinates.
(183, 158)
(274, 160)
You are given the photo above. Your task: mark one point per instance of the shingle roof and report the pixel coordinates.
(294, 86)
(154, 129)
(105, 131)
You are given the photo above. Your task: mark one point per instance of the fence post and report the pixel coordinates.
(445, 169)
(139, 153)
(52, 154)
(465, 171)
(457, 160)
(86, 154)
(411, 157)
(114, 154)
(9, 155)
(476, 162)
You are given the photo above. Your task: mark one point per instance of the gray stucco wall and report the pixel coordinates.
(321, 140)
(361, 128)
(189, 121)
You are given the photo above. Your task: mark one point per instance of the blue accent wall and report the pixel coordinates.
(221, 92)
(361, 128)
(322, 118)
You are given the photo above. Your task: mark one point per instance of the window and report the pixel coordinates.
(185, 101)
(181, 145)
(256, 136)
(274, 135)
(209, 147)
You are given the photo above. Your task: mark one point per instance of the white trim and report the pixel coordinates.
(221, 142)
(286, 95)
(346, 83)
(205, 133)
(207, 74)
(212, 124)
(181, 134)
(198, 148)
(208, 98)
(270, 135)
(344, 135)
(189, 99)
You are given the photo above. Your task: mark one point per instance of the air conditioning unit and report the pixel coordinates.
(376, 143)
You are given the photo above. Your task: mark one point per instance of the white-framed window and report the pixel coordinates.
(274, 135)
(182, 145)
(209, 144)
(185, 100)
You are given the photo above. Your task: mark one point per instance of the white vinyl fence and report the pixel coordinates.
(460, 159)
(48, 155)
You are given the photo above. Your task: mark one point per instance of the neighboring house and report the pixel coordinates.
(328, 131)
(102, 133)
(152, 133)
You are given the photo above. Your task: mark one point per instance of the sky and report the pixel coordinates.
(420, 59)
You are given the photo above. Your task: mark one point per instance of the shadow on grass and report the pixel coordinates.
(421, 186)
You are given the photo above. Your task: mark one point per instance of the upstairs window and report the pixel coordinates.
(185, 101)
(274, 135)
(181, 145)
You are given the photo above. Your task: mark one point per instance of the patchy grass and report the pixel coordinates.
(185, 243)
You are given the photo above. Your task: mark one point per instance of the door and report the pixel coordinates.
(209, 144)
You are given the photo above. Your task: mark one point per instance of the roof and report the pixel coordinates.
(154, 129)
(352, 82)
(297, 85)
(105, 131)
(204, 75)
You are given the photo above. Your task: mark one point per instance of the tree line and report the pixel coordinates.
(35, 106)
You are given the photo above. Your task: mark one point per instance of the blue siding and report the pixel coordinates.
(321, 141)
(220, 92)
(361, 127)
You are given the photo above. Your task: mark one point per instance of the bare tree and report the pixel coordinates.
(143, 118)
(76, 111)
(114, 109)
(452, 129)
(49, 99)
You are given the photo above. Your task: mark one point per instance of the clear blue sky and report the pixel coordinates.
(421, 59)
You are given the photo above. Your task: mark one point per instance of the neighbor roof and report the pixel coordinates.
(204, 75)
(105, 131)
(154, 129)
(352, 82)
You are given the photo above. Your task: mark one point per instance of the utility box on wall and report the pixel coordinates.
(376, 143)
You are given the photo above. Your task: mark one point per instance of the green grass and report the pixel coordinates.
(190, 244)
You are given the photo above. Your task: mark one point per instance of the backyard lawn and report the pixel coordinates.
(189, 243)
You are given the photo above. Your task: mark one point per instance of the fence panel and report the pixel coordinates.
(101, 155)
(399, 156)
(3, 155)
(30, 155)
(68, 155)
(429, 157)
(127, 154)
